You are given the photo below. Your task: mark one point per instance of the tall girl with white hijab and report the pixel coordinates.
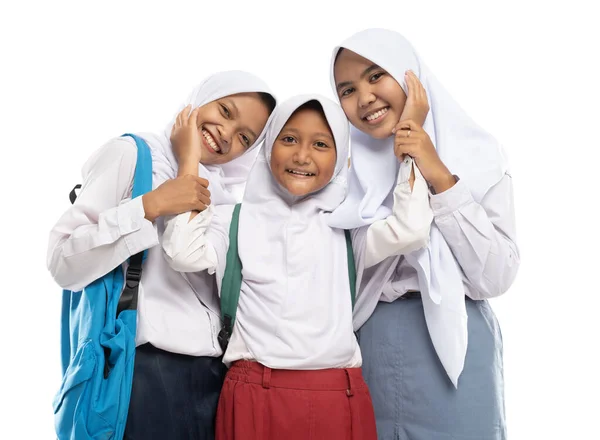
(432, 346)
(178, 372)
(294, 359)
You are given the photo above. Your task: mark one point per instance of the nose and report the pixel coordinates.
(225, 136)
(302, 154)
(366, 98)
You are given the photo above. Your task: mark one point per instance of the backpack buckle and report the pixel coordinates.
(225, 333)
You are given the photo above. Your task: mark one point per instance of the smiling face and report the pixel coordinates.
(229, 126)
(304, 155)
(371, 98)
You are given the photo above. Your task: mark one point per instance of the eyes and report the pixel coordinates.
(372, 80)
(245, 140)
(287, 139)
(225, 111)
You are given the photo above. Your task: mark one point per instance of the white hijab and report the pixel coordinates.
(227, 181)
(295, 273)
(466, 149)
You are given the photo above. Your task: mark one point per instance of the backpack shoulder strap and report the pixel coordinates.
(232, 281)
(351, 266)
(142, 183)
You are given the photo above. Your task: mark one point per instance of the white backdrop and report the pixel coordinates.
(76, 74)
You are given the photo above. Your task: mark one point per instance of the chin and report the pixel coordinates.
(298, 192)
(377, 133)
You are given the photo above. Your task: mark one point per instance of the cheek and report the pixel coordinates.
(350, 108)
(396, 96)
(204, 116)
(327, 167)
(277, 160)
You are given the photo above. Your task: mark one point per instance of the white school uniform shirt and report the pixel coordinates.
(176, 312)
(295, 308)
(471, 249)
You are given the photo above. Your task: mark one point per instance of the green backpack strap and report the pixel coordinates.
(351, 266)
(232, 281)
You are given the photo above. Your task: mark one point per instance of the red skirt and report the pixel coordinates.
(258, 403)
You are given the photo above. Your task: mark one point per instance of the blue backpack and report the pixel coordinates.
(98, 342)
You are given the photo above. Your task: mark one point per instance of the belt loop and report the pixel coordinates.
(266, 382)
(349, 391)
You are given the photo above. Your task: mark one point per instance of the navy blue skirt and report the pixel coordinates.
(174, 396)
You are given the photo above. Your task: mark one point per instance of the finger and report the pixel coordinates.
(182, 114)
(401, 152)
(402, 137)
(203, 191)
(202, 181)
(204, 199)
(410, 84)
(406, 148)
(200, 206)
(418, 86)
(408, 124)
(399, 126)
(193, 116)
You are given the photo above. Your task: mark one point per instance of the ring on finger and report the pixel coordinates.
(408, 133)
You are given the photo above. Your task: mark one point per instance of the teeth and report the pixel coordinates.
(376, 115)
(210, 141)
(300, 173)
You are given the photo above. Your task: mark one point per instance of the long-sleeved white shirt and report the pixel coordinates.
(193, 245)
(482, 238)
(176, 312)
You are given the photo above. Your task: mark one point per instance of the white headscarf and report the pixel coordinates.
(227, 181)
(466, 149)
(295, 273)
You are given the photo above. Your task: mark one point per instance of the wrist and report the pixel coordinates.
(151, 206)
(443, 182)
(188, 166)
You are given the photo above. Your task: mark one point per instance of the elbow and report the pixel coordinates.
(182, 262)
(494, 285)
(183, 265)
(63, 276)
(420, 239)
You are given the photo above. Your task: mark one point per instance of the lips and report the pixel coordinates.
(375, 116)
(299, 173)
(211, 142)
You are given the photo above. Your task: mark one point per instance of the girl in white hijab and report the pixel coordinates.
(178, 372)
(433, 373)
(295, 361)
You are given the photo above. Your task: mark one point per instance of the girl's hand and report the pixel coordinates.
(185, 137)
(411, 139)
(416, 107)
(175, 196)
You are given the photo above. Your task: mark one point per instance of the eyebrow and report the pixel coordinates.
(319, 133)
(237, 113)
(362, 75)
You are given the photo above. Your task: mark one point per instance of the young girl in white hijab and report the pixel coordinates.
(433, 374)
(295, 361)
(178, 372)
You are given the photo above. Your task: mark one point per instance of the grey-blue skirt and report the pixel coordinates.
(412, 395)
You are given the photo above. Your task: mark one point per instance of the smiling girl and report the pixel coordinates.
(433, 374)
(295, 361)
(178, 372)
